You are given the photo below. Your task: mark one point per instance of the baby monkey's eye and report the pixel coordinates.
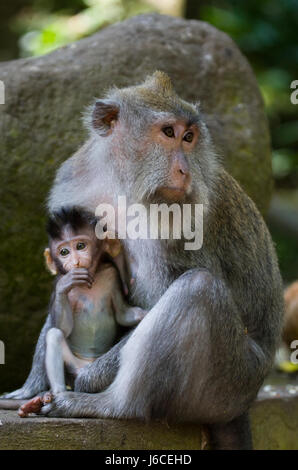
(188, 137)
(168, 131)
(64, 252)
(81, 246)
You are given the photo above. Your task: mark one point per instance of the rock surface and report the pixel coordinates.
(40, 126)
(274, 419)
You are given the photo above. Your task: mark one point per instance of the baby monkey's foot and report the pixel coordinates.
(35, 405)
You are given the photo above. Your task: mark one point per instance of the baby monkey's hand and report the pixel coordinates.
(139, 313)
(75, 277)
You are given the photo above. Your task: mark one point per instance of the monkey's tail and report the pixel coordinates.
(11, 404)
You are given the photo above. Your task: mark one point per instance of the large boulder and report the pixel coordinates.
(40, 126)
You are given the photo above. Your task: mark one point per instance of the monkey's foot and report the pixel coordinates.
(62, 405)
(34, 405)
(77, 405)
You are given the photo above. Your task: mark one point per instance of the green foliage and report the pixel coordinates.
(266, 31)
(287, 251)
(43, 30)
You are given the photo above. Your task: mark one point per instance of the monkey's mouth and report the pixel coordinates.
(172, 193)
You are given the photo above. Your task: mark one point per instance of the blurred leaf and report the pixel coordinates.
(44, 31)
(284, 162)
(286, 134)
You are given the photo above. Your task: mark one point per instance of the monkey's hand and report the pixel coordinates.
(139, 313)
(75, 277)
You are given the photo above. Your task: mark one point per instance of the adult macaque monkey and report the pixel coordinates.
(214, 319)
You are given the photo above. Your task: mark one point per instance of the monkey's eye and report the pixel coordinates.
(168, 131)
(188, 137)
(64, 252)
(81, 246)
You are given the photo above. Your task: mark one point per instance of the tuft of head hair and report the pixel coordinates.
(75, 217)
(156, 92)
(160, 83)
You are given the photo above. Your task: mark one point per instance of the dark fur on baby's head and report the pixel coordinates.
(75, 217)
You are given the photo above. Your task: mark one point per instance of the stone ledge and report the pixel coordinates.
(274, 419)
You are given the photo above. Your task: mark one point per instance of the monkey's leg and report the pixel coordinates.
(59, 354)
(37, 381)
(188, 360)
(54, 360)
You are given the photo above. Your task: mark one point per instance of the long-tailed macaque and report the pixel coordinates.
(214, 321)
(87, 304)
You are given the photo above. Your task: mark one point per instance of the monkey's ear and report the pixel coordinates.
(113, 247)
(49, 261)
(104, 116)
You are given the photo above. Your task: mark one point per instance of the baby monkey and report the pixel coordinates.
(88, 303)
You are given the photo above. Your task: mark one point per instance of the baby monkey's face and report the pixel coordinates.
(76, 250)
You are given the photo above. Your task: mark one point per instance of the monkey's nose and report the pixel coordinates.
(76, 262)
(184, 172)
(184, 177)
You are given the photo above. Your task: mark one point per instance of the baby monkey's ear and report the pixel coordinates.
(113, 247)
(49, 261)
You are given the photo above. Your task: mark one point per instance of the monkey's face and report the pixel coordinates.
(172, 142)
(76, 250)
(158, 146)
(155, 159)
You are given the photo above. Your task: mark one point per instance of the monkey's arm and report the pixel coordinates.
(61, 308)
(121, 265)
(37, 381)
(62, 313)
(130, 316)
(126, 315)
